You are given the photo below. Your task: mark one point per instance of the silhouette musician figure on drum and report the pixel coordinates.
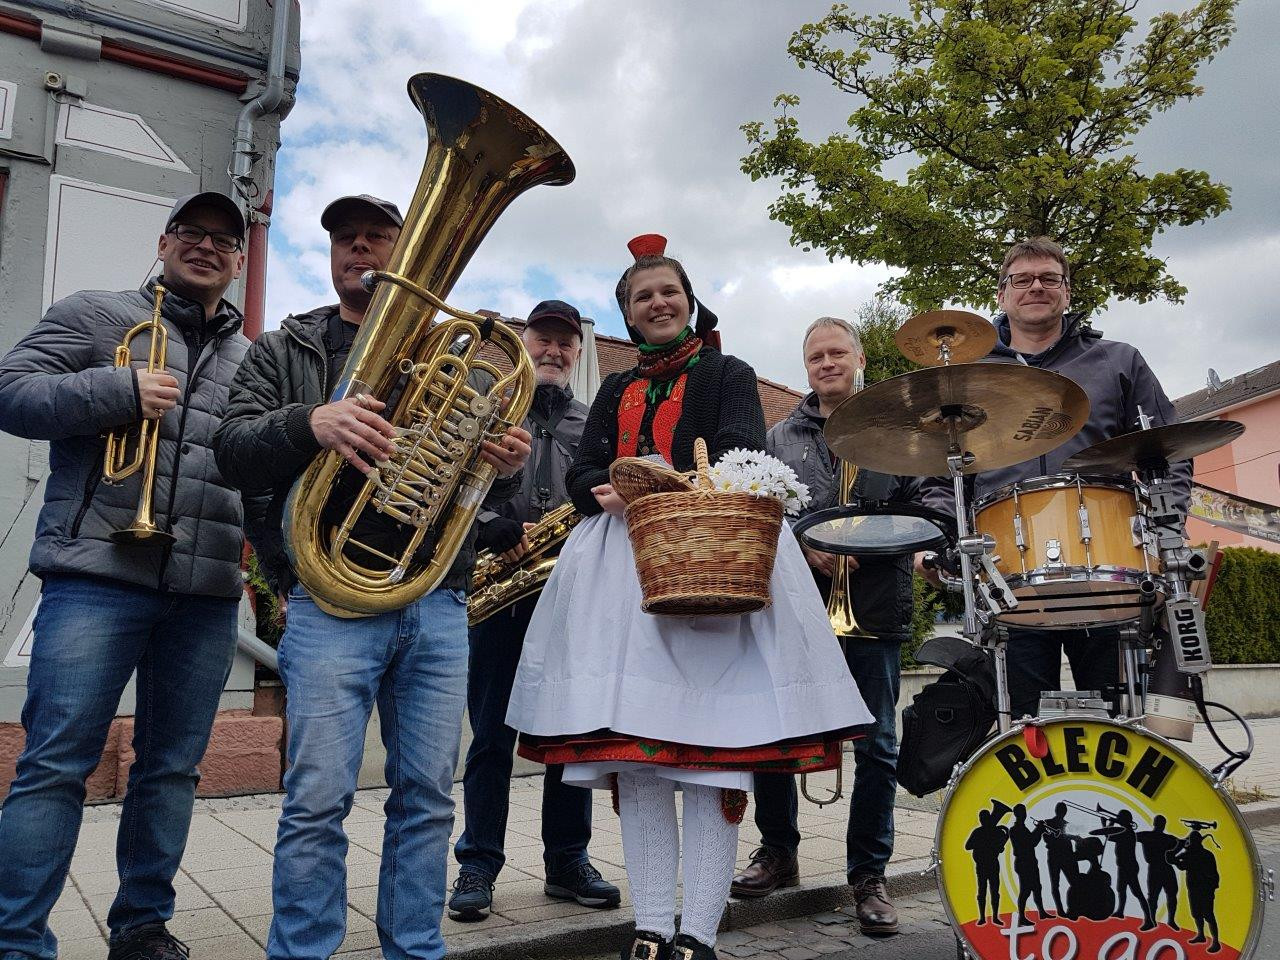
(1157, 848)
(1060, 849)
(1201, 868)
(1026, 864)
(1120, 831)
(986, 844)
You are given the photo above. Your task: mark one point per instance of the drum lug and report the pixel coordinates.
(1018, 538)
(1053, 554)
(934, 863)
(1086, 533)
(1267, 888)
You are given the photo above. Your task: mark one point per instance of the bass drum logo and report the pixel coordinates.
(1081, 839)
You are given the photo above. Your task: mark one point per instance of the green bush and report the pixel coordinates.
(266, 605)
(1243, 615)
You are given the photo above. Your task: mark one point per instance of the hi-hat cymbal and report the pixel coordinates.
(969, 337)
(1167, 444)
(1002, 413)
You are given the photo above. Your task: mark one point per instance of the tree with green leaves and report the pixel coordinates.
(876, 323)
(1014, 118)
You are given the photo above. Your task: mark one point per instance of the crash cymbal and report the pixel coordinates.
(1167, 444)
(1002, 413)
(968, 336)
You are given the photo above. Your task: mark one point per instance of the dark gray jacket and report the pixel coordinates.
(542, 486)
(1117, 381)
(60, 383)
(265, 441)
(880, 588)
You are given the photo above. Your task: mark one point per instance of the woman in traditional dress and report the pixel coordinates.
(645, 705)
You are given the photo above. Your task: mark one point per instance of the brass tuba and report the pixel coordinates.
(496, 583)
(482, 154)
(126, 455)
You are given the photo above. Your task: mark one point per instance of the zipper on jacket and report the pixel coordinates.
(324, 363)
(91, 482)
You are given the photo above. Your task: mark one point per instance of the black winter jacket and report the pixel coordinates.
(60, 383)
(265, 442)
(721, 405)
(880, 588)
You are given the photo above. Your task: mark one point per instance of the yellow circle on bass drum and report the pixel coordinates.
(1085, 839)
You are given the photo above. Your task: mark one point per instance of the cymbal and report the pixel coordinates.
(1002, 413)
(1170, 443)
(969, 336)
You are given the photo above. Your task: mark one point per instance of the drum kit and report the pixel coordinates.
(1099, 545)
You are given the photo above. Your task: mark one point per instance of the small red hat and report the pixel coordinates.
(647, 245)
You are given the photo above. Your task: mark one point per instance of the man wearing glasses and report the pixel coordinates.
(1036, 329)
(165, 610)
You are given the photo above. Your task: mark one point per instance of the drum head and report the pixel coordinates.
(1068, 819)
(883, 530)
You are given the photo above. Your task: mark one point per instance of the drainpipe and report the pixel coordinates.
(268, 101)
(257, 650)
(255, 283)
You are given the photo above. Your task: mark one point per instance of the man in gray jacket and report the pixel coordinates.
(412, 662)
(108, 609)
(1035, 329)
(553, 337)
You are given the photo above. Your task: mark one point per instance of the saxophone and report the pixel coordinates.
(496, 583)
(482, 154)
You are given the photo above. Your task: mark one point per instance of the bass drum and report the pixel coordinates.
(1090, 838)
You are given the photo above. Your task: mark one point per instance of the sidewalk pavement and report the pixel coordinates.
(224, 887)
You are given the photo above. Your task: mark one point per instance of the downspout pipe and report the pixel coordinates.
(268, 101)
(257, 650)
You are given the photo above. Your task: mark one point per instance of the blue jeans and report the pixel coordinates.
(486, 786)
(1033, 660)
(413, 663)
(91, 634)
(877, 669)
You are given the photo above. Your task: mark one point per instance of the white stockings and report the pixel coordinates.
(651, 847)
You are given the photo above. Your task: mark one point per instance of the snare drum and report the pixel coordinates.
(1087, 818)
(1067, 547)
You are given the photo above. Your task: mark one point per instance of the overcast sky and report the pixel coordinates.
(647, 98)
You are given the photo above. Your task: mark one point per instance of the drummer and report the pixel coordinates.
(880, 590)
(1035, 329)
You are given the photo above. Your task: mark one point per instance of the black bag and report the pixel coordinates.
(950, 718)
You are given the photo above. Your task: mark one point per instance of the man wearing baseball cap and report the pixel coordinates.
(412, 662)
(164, 608)
(553, 337)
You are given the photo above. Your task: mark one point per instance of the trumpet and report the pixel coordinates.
(131, 449)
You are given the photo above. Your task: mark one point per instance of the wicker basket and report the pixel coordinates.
(699, 552)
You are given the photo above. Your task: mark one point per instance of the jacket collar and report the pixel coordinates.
(1073, 331)
(311, 326)
(189, 315)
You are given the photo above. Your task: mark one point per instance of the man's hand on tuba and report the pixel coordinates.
(352, 427)
(509, 455)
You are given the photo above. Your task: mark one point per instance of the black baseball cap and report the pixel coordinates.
(210, 198)
(556, 310)
(336, 212)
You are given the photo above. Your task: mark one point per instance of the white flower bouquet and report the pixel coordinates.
(756, 473)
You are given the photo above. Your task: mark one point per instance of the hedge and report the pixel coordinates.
(1243, 614)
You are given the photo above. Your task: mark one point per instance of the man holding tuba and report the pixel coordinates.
(553, 337)
(140, 574)
(880, 591)
(411, 661)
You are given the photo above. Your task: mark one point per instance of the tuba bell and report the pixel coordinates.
(482, 154)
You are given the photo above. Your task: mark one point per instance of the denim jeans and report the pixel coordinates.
(413, 663)
(876, 668)
(1033, 660)
(486, 786)
(91, 635)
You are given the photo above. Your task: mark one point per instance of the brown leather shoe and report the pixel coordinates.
(770, 868)
(877, 916)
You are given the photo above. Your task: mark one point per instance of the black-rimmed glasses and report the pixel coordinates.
(1021, 281)
(190, 233)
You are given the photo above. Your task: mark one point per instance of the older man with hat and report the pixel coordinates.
(553, 337)
(412, 662)
(163, 607)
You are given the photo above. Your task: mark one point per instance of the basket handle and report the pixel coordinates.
(702, 464)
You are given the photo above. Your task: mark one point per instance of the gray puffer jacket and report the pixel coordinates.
(880, 588)
(60, 383)
(265, 442)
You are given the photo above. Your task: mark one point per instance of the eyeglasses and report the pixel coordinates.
(1021, 281)
(190, 233)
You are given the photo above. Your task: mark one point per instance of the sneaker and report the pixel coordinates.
(471, 898)
(584, 884)
(149, 942)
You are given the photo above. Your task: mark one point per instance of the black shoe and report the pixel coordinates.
(149, 942)
(471, 898)
(689, 948)
(584, 884)
(646, 946)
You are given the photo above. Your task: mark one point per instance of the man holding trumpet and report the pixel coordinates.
(140, 571)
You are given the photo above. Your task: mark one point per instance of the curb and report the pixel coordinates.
(595, 933)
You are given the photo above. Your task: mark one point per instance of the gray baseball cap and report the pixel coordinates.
(210, 198)
(335, 212)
